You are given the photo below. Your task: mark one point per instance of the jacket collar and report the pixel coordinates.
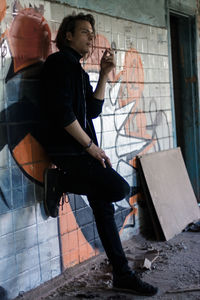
(73, 55)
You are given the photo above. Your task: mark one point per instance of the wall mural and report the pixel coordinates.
(122, 128)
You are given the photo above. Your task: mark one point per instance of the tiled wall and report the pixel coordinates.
(136, 119)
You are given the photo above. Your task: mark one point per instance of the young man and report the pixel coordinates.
(70, 104)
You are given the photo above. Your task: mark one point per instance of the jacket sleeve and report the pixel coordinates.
(57, 85)
(94, 105)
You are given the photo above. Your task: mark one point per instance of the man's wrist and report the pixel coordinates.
(103, 75)
(88, 145)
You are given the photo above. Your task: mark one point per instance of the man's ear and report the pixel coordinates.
(69, 36)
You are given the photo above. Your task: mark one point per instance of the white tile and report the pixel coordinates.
(27, 259)
(7, 268)
(152, 33)
(24, 217)
(153, 47)
(6, 223)
(146, 92)
(57, 12)
(23, 282)
(164, 75)
(7, 245)
(164, 90)
(165, 103)
(162, 34)
(107, 24)
(145, 60)
(49, 249)
(142, 45)
(121, 41)
(141, 31)
(45, 271)
(55, 266)
(114, 24)
(101, 24)
(163, 48)
(47, 11)
(67, 10)
(35, 277)
(4, 156)
(47, 230)
(130, 42)
(26, 238)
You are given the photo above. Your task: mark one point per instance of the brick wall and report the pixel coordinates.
(136, 119)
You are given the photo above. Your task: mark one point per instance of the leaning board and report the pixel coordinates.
(170, 190)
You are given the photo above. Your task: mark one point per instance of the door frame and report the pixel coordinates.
(196, 116)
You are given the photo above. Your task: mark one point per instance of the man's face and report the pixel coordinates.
(82, 38)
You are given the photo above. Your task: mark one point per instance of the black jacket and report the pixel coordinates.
(66, 95)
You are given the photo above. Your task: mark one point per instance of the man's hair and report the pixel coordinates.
(68, 25)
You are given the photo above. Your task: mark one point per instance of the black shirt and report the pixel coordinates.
(66, 96)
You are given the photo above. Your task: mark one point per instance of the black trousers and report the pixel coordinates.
(85, 175)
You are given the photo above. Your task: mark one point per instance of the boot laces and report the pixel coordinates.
(64, 199)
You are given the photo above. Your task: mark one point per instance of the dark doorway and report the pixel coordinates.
(183, 45)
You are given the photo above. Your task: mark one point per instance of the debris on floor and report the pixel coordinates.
(145, 259)
(183, 290)
(175, 270)
(194, 226)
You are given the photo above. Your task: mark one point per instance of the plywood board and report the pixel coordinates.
(170, 190)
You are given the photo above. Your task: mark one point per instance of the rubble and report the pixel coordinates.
(183, 290)
(170, 265)
(194, 226)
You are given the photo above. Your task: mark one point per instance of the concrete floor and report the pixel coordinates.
(176, 272)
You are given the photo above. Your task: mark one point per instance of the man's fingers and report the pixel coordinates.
(105, 53)
(108, 161)
(110, 59)
(102, 161)
(100, 155)
(108, 51)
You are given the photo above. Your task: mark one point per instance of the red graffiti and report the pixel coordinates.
(2, 9)
(132, 78)
(29, 38)
(2, 15)
(131, 84)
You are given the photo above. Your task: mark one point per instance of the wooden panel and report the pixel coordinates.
(170, 190)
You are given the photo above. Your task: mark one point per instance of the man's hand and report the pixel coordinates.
(107, 62)
(99, 154)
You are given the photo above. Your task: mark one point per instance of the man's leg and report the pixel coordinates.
(86, 176)
(103, 186)
(104, 216)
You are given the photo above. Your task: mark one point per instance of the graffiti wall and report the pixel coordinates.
(136, 119)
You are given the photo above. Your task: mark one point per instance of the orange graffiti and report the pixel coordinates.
(131, 88)
(2, 9)
(2, 15)
(133, 200)
(31, 156)
(29, 38)
(75, 248)
(132, 78)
